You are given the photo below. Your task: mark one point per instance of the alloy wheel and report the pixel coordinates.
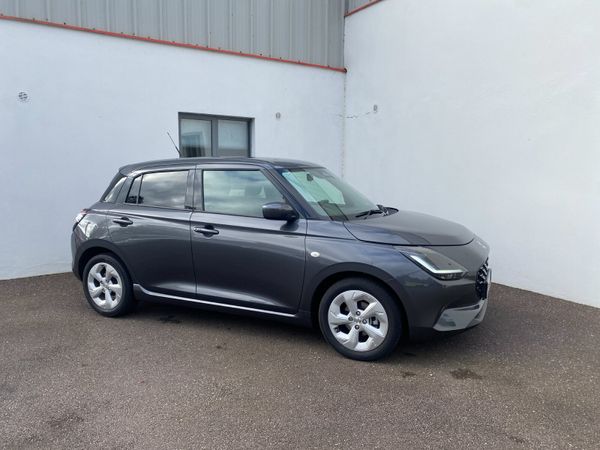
(105, 286)
(358, 320)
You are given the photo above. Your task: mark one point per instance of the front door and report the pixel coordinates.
(151, 227)
(240, 258)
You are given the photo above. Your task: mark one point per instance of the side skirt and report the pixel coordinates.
(300, 318)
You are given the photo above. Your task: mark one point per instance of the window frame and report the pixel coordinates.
(198, 188)
(214, 130)
(188, 199)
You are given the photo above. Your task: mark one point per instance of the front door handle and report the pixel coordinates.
(123, 221)
(206, 231)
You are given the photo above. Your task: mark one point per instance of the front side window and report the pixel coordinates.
(328, 195)
(237, 192)
(162, 189)
(204, 135)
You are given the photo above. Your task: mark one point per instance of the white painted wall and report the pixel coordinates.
(97, 103)
(488, 114)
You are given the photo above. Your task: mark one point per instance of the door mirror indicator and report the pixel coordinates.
(279, 211)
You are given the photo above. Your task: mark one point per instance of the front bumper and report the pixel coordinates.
(461, 318)
(436, 307)
(454, 319)
(74, 255)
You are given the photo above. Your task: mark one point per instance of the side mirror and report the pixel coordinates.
(279, 211)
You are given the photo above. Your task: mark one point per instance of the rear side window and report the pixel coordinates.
(163, 189)
(238, 192)
(111, 194)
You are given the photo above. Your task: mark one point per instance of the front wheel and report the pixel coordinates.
(107, 286)
(360, 319)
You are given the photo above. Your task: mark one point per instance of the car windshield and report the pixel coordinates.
(329, 195)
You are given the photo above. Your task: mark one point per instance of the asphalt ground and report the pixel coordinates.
(173, 377)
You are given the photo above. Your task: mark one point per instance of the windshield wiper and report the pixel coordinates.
(370, 212)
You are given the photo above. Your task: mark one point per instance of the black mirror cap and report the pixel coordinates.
(279, 211)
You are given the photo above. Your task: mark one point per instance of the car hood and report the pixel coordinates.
(409, 228)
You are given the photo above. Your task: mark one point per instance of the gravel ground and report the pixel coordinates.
(174, 377)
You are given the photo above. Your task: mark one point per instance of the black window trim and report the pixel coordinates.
(188, 201)
(214, 118)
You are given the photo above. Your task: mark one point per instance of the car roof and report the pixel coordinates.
(270, 163)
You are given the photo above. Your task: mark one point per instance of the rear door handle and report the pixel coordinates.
(206, 231)
(123, 221)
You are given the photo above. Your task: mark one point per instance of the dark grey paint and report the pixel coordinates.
(410, 228)
(259, 266)
(251, 262)
(156, 246)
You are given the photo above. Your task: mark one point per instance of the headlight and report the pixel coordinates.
(438, 265)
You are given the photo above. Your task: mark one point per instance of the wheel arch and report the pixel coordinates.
(96, 248)
(327, 280)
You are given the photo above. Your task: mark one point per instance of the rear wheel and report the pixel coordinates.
(360, 319)
(107, 286)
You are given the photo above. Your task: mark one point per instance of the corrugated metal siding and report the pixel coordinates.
(309, 31)
(351, 5)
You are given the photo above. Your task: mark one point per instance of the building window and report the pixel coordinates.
(203, 135)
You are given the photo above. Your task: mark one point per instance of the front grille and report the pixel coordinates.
(481, 281)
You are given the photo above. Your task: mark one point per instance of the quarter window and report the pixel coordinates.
(162, 189)
(115, 187)
(238, 192)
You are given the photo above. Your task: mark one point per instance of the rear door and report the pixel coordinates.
(240, 258)
(151, 227)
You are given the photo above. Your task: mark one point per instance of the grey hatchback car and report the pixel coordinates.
(281, 239)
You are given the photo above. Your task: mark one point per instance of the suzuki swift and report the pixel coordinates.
(281, 239)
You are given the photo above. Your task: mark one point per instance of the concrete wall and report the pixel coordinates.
(97, 103)
(488, 113)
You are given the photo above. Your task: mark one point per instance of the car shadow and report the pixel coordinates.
(239, 325)
(518, 325)
(236, 324)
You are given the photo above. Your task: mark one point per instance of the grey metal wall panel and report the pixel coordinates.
(335, 38)
(241, 39)
(121, 17)
(197, 22)
(261, 26)
(282, 18)
(173, 20)
(8, 7)
(94, 14)
(353, 4)
(317, 33)
(299, 35)
(309, 31)
(33, 8)
(218, 32)
(66, 11)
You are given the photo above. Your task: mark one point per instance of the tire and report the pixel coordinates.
(355, 339)
(101, 276)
